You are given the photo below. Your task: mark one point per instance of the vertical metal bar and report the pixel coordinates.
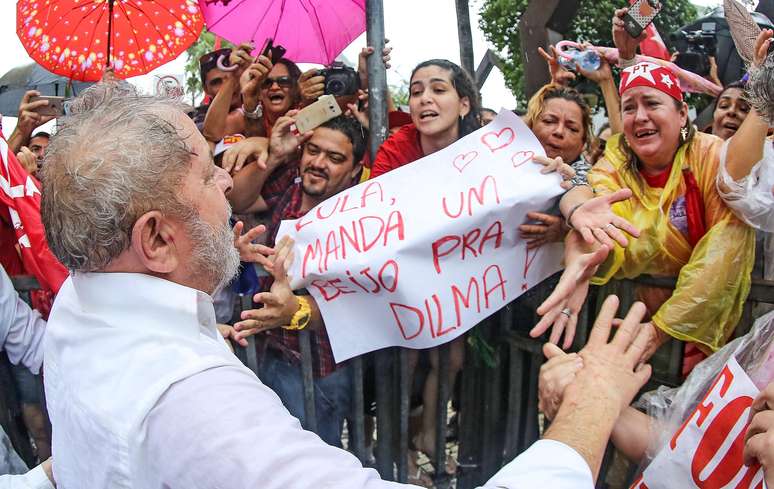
(384, 415)
(441, 478)
(307, 374)
(403, 420)
(465, 36)
(516, 375)
(469, 454)
(377, 75)
(357, 433)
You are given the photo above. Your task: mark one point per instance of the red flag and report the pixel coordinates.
(653, 45)
(20, 207)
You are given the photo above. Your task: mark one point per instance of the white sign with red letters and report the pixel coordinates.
(418, 256)
(706, 451)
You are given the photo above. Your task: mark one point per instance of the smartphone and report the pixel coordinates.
(55, 107)
(640, 15)
(325, 109)
(274, 53)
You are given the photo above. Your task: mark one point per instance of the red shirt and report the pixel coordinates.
(400, 149)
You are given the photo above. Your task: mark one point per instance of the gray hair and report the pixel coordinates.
(760, 89)
(118, 155)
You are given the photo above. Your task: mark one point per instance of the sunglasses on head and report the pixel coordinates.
(282, 81)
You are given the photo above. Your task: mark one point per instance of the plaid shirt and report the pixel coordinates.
(288, 206)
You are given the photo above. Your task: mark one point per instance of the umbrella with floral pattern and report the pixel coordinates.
(78, 38)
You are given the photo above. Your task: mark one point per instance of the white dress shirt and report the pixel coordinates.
(144, 393)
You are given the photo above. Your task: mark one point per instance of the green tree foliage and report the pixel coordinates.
(499, 20)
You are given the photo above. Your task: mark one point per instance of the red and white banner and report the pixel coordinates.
(706, 451)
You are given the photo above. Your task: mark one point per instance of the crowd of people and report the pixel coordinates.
(137, 200)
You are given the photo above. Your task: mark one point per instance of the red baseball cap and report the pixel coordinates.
(647, 74)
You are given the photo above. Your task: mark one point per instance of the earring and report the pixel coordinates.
(683, 135)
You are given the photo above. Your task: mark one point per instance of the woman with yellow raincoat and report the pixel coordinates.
(685, 230)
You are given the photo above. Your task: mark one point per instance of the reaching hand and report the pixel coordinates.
(251, 79)
(549, 231)
(626, 44)
(555, 375)
(601, 74)
(285, 141)
(362, 62)
(229, 333)
(29, 118)
(250, 149)
(279, 304)
(559, 75)
(556, 165)
(250, 252)
(560, 310)
(596, 221)
(311, 84)
(354, 110)
(28, 160)
(762, 43)
(759, 439)
(240, 56)
(613, 370)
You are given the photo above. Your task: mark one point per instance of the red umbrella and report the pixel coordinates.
(77, 38)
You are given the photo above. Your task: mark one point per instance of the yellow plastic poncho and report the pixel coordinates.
(714, 277)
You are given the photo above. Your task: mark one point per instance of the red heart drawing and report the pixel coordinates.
(463, 160)
(521, 157)
(498, 140)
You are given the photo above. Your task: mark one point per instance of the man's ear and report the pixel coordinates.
(355, 170)
(154, 244)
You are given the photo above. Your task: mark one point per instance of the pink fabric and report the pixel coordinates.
(312, 31)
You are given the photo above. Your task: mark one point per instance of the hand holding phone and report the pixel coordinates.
(640, 15)
(55, 107)
(313, 115)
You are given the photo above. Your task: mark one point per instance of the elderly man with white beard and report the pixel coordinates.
(141, 388)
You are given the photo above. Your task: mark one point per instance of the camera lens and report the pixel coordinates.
(335, 87)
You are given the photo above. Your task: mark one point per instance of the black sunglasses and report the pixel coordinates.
(282, 81)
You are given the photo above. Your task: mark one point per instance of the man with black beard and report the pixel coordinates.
(329, 163)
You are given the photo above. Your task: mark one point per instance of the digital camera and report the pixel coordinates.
(340, 80)
(695, 47)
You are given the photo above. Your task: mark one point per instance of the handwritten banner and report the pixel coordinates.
(706, 451)
(418, 256)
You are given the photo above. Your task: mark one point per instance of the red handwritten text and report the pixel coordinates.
(428, 317)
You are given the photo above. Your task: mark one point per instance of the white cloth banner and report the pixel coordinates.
(706, 451)
(418, 256)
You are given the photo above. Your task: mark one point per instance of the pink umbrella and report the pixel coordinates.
(312, 31)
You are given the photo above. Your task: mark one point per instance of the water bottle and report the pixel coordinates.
(587, 59)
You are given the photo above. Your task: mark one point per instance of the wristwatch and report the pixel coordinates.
(302, 316)
(255, 114)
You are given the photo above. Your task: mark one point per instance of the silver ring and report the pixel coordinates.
(567, 312)
(610, 224)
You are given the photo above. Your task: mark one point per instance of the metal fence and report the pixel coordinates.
(495, 395)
